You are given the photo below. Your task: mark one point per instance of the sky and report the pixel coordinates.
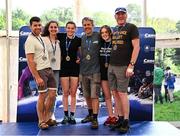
(155, 8)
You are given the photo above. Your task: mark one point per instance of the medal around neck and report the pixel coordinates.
(115, 47)
(106, 65)
(68, 58)
(88, 57)
(53, 60)
(44, 58)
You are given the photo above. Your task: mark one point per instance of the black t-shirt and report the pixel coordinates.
(122, 39)
(105, 52)
(74, 44)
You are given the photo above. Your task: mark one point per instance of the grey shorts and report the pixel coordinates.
(91, 85)
(117, 78)
(49, 80)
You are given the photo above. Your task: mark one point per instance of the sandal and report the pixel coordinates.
(43, 125)
(52, 122)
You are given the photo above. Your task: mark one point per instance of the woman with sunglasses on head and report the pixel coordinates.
(50, 37)
(69, 74)
(105, 52)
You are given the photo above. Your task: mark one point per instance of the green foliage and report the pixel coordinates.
(168, 59)
(60, 14)
(162, 25)
(103, 18)
(19, 18)
(178, 26)
(168, 111)
(2, 19)
(134, 13)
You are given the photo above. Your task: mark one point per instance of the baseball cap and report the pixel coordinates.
(120, 9)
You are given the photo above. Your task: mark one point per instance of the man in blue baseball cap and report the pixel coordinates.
(125, 50)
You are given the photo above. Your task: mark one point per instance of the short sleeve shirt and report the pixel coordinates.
(35, 46)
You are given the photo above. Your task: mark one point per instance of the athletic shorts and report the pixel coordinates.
(104, 73)
(69, 72)
(49, 80)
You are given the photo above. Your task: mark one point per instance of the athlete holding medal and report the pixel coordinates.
(90, 70)
(69, 74)
(39, 65)
(105, 52)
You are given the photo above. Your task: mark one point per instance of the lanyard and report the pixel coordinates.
(106, 49)
(88, 43)
(68, 45)
(41, 41)
(53, 46)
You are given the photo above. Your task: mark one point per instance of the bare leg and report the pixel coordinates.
(73, 90)
(107, 93)
(41, 107)
(49, 104)
(65, 88)
(125, 104)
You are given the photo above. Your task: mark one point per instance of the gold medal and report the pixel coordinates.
(68, 58)
(53, 60)
(115, 47)
(106, 65)
(88, 57)
(44, 58)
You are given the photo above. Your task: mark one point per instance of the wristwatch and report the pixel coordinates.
(132, 63)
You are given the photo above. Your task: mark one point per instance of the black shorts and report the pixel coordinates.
(73, 72)
(104, 74)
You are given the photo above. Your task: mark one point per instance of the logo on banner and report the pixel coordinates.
(148, 61)
(22, 33)
(147, 35)
(21, 59)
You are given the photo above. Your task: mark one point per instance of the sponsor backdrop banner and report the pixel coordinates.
(141, 101)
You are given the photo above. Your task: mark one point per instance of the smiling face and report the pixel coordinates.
(70, 29)
(53, 28)
(36, 27)
(121, 18)
(88, 27)
(105, 34)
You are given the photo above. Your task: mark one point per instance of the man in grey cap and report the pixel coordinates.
(125, 50)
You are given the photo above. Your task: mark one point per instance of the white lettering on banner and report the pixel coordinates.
(21, 59)
(147, 35)
(147, 61)
(22, 33)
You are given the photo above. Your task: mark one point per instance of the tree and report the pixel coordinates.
(2, 19)
(162, 25)
(134, 14)
(19, 18)
(60, 14)
(178, 26)
(103, 18)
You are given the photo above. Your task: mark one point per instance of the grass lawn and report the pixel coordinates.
(168, 111)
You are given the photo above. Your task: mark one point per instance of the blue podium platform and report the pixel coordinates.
(149, 128)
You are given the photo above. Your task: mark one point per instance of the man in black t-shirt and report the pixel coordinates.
(125, 50)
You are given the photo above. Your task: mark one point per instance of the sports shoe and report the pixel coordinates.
(124, 127)
(94, 124)
(65, 120)
(116, 125)
(110, 121)
(88, 118)
(72, 120)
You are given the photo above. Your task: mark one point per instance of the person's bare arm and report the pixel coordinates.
(32, 67)
(134, 56)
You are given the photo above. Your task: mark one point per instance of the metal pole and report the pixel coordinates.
(144, 13)
(6, 100)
